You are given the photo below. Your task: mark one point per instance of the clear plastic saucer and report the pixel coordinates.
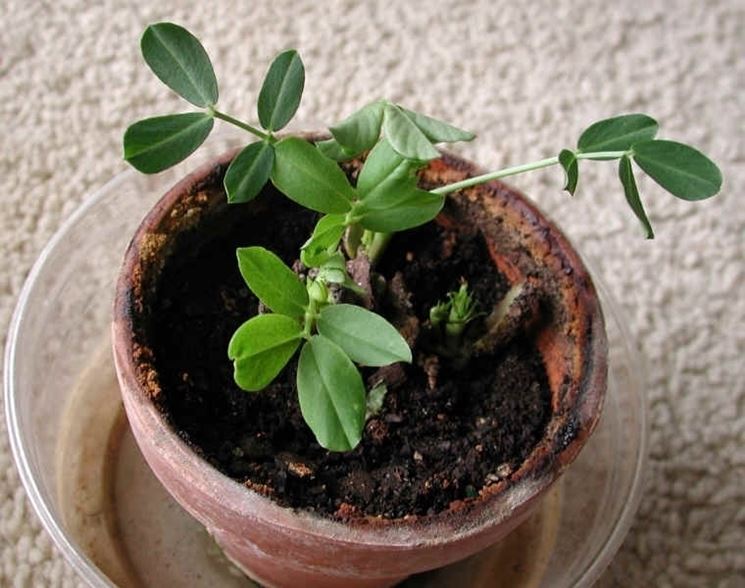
(115, 524)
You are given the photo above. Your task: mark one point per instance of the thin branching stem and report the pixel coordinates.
(242, 125)
(518, 169)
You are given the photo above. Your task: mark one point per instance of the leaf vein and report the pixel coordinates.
(174, 56)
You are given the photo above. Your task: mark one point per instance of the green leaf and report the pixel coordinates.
(626, 175)
(405, 137)
(261, 347)
(360, 131)
(364, 336)
(682, 170)
(249, 172)
(462, 305)
(390, 198)
(304, 175)
(179, 60)
(324, 240)
(275, 284)
(438, 131)
(440, 312)
(396, 210)
(384, 168)
(280, 94)
(331, 149)
(155, 144)
(334, 269)
(617, 134)
(331, 394)
(568, 161)
(375, 400)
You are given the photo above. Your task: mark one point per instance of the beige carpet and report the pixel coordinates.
(527, 76)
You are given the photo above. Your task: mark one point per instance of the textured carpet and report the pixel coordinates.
(527, 76)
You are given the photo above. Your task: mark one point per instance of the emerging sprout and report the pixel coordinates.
(454, 313)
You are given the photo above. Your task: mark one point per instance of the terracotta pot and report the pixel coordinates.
(281, 547)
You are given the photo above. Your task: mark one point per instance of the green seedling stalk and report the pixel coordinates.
(519, 169)
(353, 239)
(454, 330)
(450, 317)
(242, 125)
(318, 296)
(378, 244)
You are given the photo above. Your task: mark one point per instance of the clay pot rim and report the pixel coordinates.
(497, 502)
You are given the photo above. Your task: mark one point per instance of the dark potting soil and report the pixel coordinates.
(443, 433)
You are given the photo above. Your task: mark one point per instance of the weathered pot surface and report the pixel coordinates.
(279, 546)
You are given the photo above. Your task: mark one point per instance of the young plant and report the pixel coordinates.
(333, 336)
(450, 317)
(357, 220)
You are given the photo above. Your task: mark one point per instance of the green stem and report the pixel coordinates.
(242, 125)
(309, 321)
(601, 155)
(352, 239)
(377, 246)
(518, 169)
